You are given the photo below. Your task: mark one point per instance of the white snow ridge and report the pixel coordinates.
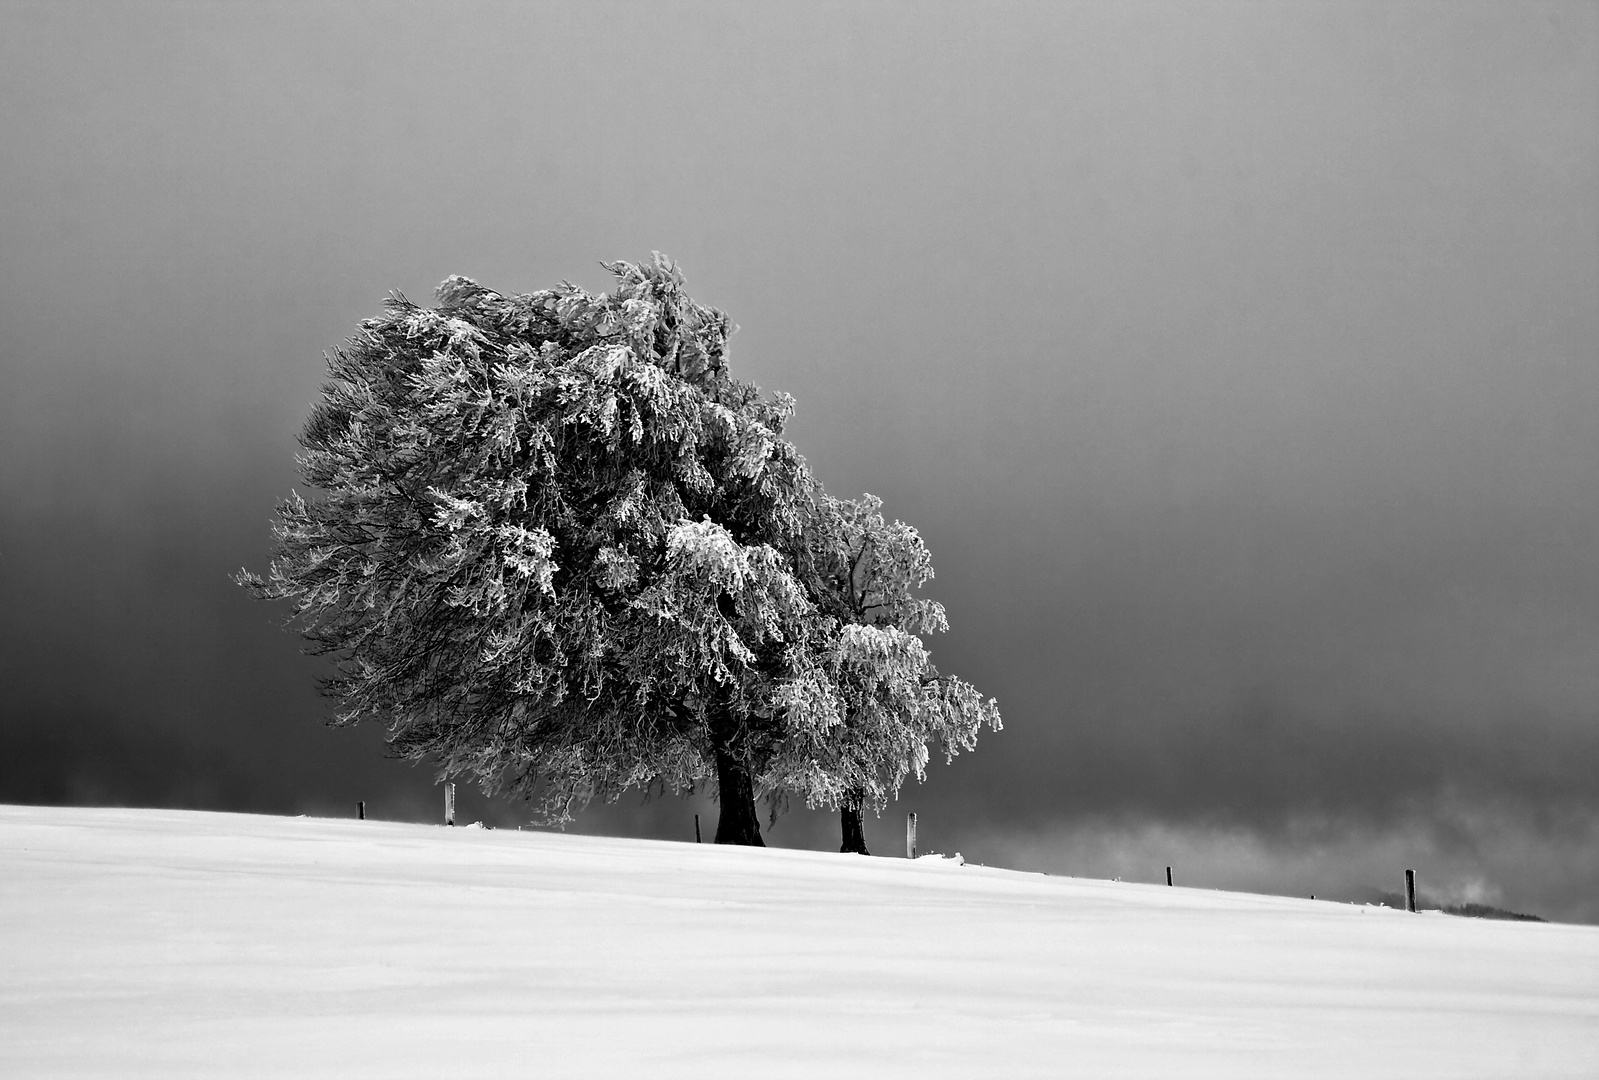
(141, 943)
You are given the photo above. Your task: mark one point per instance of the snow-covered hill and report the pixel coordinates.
(166, 943)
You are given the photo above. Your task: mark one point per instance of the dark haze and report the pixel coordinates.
(1239, 363)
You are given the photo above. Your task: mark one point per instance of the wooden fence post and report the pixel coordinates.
(1168, 875)
(360, 810)
(449, 804)
(1410, 890)
(696, 828)
(910, 836)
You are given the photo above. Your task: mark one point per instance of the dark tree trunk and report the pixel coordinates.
(738, 823)
(854, 835)
(735, 789)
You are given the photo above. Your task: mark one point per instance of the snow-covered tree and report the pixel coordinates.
(867, 713)
(554, 548)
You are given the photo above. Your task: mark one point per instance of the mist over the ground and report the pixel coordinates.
(1239, 363)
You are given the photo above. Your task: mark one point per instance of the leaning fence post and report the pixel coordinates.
(1410, 890)
(449, 804)
(910, 836)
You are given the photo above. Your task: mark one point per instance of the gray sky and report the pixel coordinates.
(1239, 362)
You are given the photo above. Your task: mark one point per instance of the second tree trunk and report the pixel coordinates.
(854, 835)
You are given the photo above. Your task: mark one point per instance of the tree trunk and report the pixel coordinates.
(735, 789)
(738, 823)
(854, 835)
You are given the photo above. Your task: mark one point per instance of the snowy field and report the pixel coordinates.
(180, 944)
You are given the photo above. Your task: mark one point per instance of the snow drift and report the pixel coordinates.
(166, 943)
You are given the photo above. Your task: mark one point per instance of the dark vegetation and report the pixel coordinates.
(1470, 911)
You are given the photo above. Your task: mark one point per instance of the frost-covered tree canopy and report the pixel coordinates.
(559, 548)
(865, 715)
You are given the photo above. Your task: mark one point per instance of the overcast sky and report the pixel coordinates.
(1239, 363)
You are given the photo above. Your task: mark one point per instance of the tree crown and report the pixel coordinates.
(559, 547)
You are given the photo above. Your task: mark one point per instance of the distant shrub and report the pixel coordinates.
(1470, 911)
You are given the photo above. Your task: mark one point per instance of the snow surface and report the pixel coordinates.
(173, 944)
